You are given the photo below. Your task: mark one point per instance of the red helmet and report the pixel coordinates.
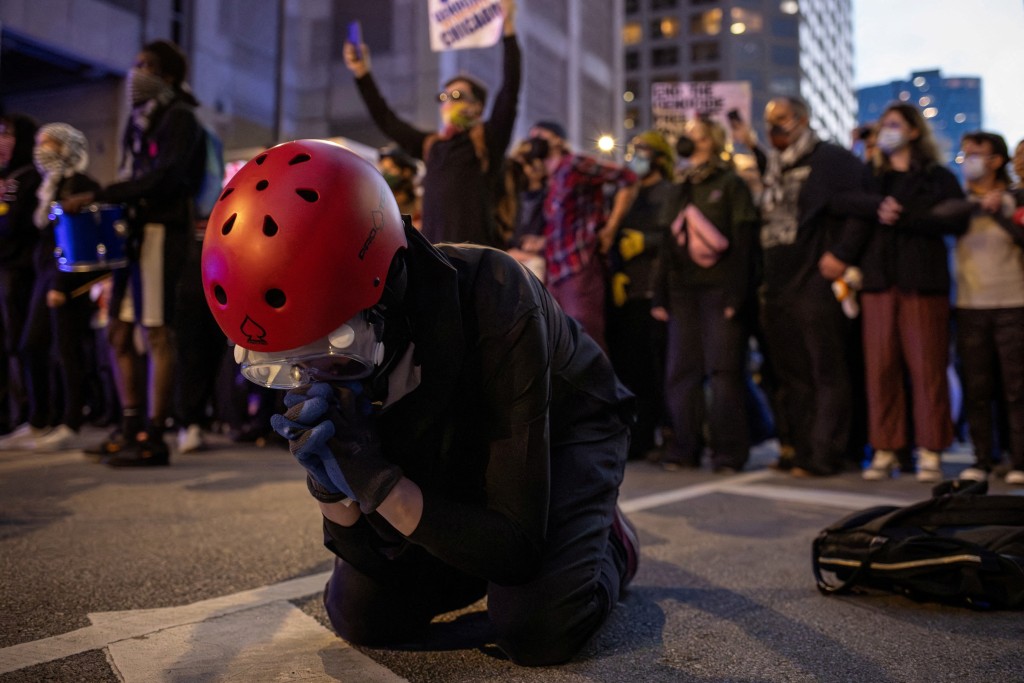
(298, 243)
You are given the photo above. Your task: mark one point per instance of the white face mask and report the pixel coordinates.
(891, 140)
(974, 167)
(144, 86)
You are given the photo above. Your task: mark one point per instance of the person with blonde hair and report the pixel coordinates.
(700, 296)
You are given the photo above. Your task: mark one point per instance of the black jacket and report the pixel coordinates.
(911, 255)
(506, 377)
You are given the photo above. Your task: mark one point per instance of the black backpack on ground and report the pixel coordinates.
(961, 547)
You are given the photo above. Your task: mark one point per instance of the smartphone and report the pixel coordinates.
(355, 36)
(734, 115)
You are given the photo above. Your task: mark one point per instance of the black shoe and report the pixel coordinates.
(152, 452)
(111, 446)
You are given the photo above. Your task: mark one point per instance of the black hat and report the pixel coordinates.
(552, 126)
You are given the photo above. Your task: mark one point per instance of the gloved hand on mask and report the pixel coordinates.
(330, 433)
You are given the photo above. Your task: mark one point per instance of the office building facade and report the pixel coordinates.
(779, 47)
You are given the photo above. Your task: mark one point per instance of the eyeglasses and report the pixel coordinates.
(454, 96)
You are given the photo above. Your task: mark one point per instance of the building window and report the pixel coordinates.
(632, 118)
(663, 4)
(632, 6)
(632, 60)
(632, 33)
(705, 75)
(667, 27)
(785, 55)
(706, 23)
(704, 52)
(744, 21)
(665, 56)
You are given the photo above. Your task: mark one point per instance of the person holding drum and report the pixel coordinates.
(60, 308)
(163, 167)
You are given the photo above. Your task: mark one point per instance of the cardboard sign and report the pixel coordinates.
(462, 24)
(673, 104)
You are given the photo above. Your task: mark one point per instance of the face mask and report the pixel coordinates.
(393, 180)
(144, 86)
(781, 136)
(974, 167)
(47, 161)
(459, 116)
(685, 147)
(640, 165)
(891, 140)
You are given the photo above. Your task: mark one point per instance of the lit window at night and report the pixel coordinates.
(706, 23)
(789, 7)
(632, 33)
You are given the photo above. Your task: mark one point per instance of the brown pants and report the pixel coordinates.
(906, 337)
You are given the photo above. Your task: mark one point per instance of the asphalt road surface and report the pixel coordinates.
(210, 570)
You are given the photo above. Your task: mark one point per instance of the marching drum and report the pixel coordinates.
(93, 239)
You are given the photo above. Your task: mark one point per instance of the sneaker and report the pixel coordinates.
(23, 438)
(151, 452)
(624, 536)
(883, 464)
(60, 438)
(974, 474)
(929, 466)
(1015, 477)
(190, 439)
(112, 445)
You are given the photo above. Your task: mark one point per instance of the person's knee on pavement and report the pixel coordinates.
(535, 637)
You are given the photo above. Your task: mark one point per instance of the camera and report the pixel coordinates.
(535, 148)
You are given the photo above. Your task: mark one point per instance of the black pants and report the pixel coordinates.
(387, 596)
(704, 345)
(15, 293)
(990, 343)
(808, 337)
(636, 345)
(201, 345)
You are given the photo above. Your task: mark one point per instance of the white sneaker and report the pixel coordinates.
(190, 440)
(60, 438)
(883, 464)
(1015, 477)
(974, 474)
(23, 438)
(929, 466)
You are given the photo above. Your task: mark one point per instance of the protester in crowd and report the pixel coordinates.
(864, 141)
(904, 296)
(569, 212)
(700, 292)
(806, 331)
(1018, 166)
(462, 435)
(464, 159)
(163, 166)
(401, 172)
(19, 181)
(60, 308)
(636, 341)
(990, 305)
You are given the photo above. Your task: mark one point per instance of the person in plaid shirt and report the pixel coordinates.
(567, 209)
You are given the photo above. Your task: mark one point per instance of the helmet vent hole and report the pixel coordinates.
(228, 224)
(309, 195)
(299, 159)
(260, 159)
(226, 193)
(262, 185)
(269, 226)
(275, 298)
(376, 282)
(220, 295)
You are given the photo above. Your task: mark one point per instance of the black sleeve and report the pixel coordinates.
(405, 136)
(498, 129)
(530, 218)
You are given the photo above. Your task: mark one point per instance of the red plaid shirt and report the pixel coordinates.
(575, 208)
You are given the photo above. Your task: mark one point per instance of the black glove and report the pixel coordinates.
(356, 447)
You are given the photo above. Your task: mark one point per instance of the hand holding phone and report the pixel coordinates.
(734, 115)
(355, 36)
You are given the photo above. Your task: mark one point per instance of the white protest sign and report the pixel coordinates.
(461, 24)
(673, 104)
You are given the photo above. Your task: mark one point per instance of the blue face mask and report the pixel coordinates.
(640, 165)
